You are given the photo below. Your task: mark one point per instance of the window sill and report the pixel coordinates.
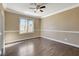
(27, 33)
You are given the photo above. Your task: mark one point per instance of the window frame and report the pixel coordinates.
(27, 25)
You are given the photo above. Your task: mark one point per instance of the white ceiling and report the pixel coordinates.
(50, 8)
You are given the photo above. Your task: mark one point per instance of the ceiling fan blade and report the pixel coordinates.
(41, 10)
(42, 7)
(33, 3)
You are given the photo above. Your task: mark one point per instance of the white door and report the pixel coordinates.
(1, 33)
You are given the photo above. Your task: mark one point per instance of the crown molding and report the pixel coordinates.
(15, 11)
(65, 9)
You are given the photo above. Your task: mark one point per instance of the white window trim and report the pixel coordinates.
(27, 26)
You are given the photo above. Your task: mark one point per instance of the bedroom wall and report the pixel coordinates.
(12, 28)
(62, 27)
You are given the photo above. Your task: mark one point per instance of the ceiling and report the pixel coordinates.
(50, 8)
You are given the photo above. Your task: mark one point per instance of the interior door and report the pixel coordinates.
(1, 33)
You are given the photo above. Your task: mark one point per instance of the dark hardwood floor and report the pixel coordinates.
(41, 47)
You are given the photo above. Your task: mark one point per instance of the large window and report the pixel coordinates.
(26, 25)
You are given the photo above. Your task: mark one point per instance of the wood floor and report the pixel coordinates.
(41, 47)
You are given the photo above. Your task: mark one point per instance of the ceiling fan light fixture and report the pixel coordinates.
(38, 7)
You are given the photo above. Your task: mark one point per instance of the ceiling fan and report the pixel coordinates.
(38, 7)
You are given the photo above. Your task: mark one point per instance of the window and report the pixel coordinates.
(26, 25)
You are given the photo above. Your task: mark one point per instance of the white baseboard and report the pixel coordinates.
(16, 42)
(20, 40)
(53, 40)
(61, 41)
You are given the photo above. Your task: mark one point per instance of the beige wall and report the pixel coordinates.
(12, 28)
(61, 22)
